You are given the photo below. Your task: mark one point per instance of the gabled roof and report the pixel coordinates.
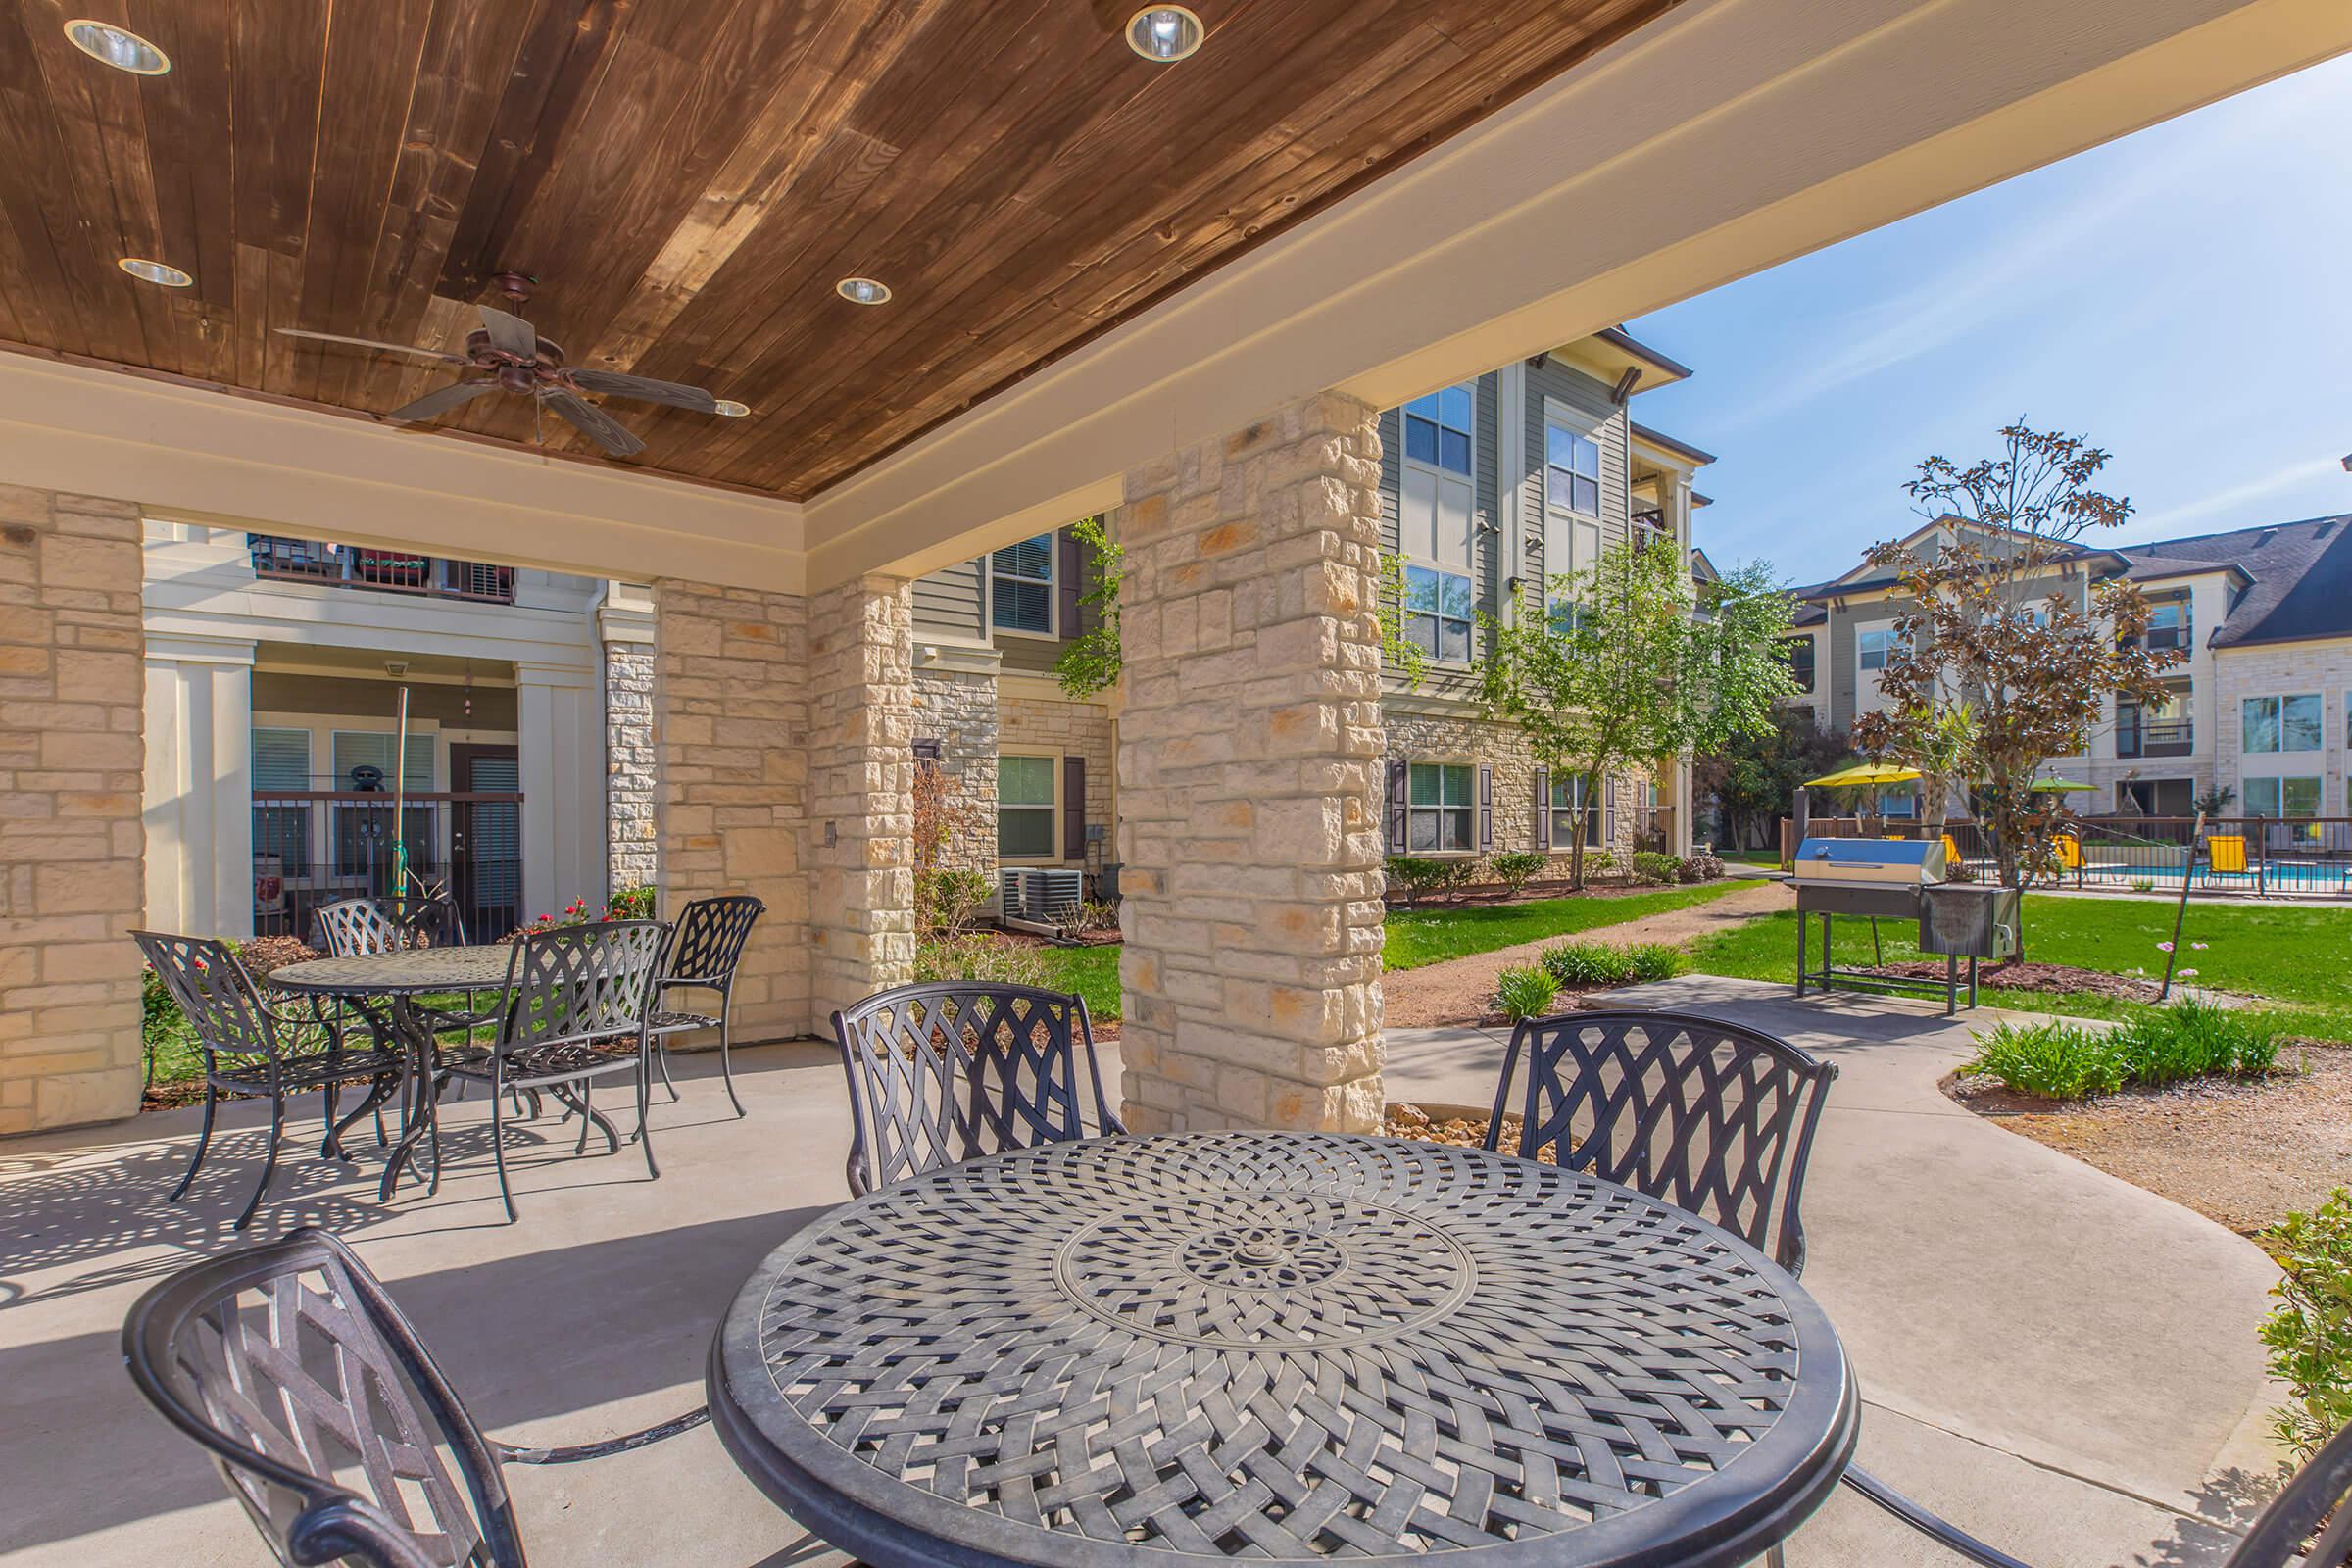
(2297, 576)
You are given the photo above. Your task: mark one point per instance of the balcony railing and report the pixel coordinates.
(385, 570)
(314, 847)
(2137, 739)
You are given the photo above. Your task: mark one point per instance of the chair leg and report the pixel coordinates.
(204, 1140)
(726, 1037)
(587, 1093)
(328, 1149)
(661, 1055)
(377, 1091)
(277, 1125)
(498, 1148)
(645, 1095)
(1771, 1557)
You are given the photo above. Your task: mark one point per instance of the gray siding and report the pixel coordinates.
(1485, 559)
(948, 602)
(1588, 396)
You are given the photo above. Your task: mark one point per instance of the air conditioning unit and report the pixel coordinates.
(1042, 896)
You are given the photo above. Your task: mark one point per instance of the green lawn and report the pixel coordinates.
(1433, 935)
(1091, 972)
(2292, 958)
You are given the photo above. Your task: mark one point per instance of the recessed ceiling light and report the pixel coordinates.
(147, 271)
(862, 290)
(118, 47)
(1163, 34)
(730, 408)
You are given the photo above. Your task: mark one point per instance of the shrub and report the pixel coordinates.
(1414, 876)
(1524, 993)
(1600, 862)
(2310, 1331)
(1455, 876)
(1651, 866)
(2194, 1039)
(1095, 915)
(1516, 869)
(2050, 1060)
(1703, 866)
(2141, 884)
(945, 902)
(1581, 965)
(632, 904)
(978, 956)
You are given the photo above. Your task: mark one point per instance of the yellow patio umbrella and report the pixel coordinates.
(1862, 775)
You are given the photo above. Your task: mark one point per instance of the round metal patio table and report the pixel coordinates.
(384, 988)
(1284, 1346)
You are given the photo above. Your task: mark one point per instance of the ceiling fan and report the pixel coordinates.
(507, 356)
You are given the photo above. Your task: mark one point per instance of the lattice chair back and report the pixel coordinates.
(293, 1369)
(953, 1070)
(707, 943)
(216, 994)
(2290, 1533)
(353, 928)
(1708, 1116)
(579, 983)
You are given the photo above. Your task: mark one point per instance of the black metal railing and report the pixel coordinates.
(314, 847)
(385, 570)
(2141, 738)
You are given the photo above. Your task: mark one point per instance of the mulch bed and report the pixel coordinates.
(2242, 1153)
(1533, 893)
(1457, 1125)
(2026, 976)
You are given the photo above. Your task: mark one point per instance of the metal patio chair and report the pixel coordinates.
(290, 1365)
(704, 948)
(571, 993)
(953, 1069)
(251, 1047)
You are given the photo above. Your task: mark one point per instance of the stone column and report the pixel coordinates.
(199, 785)
(860, 791)
(1249, 765)
(625, 627)
(71, 837)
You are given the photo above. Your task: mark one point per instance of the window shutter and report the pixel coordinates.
(1608, 819)
(1543, 808)
(1397, 805)
(1069, 580)
(1073, 809)
(1486, 808)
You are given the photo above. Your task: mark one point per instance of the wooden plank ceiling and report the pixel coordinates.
(687, 179)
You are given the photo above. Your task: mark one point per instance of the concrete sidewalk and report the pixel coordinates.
(2058, 1360)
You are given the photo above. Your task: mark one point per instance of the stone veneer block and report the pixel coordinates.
(72, 839)
(861, 791)
(631, 784)
(1250, 773)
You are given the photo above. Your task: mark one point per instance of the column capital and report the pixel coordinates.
(191, 648)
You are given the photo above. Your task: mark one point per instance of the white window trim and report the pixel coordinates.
(1054, 757)
(2317, 776)
(1429, 563)
(1469, 762)
(2281, 698)
(1594, 812)
(1576, 422)
(988, 609)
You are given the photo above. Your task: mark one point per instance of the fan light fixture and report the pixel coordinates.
(1164, 34)
(118, 47)
(862, 291)
(147, 271)
(730, 408)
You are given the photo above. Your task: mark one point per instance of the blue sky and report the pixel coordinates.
(2183, 297)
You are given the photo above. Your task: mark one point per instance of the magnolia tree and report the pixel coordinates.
(2006, 660)
(1642, 667)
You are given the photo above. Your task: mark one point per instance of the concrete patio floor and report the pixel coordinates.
(2059, 1360)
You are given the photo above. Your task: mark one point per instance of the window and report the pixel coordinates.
(1571, 471)
(1799, 652)
(281, 759)
(1436, 613)
(364, 840)
(355, 748)
(2269, 726)
(1899, 800)
(1569, 799)
(1438, 808)
(1025, 807)
(281, 762)
(2168, 623)
(2282, 796)
(1437, 429)
(1020, 587)
(1872, 648)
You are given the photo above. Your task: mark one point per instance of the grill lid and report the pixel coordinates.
(1898, 861)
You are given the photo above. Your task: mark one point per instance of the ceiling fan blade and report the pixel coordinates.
(601, 427)
(510, 334)
(646, 390)
(434, 404)
(371, 343)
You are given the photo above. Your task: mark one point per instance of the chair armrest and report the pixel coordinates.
(1946, 1535)
(507, 1453)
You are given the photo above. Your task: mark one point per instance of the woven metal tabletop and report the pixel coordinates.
(1279, 1347)
(409, 970)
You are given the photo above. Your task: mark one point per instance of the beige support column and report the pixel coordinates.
(71, 838)
(860, 791)
(1248, 762)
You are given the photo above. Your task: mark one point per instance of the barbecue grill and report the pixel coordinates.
(1897, 879)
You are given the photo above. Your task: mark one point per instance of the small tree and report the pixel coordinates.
(1942, 741)
(1995, 627)
(1635, 671)
(1755, 775)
